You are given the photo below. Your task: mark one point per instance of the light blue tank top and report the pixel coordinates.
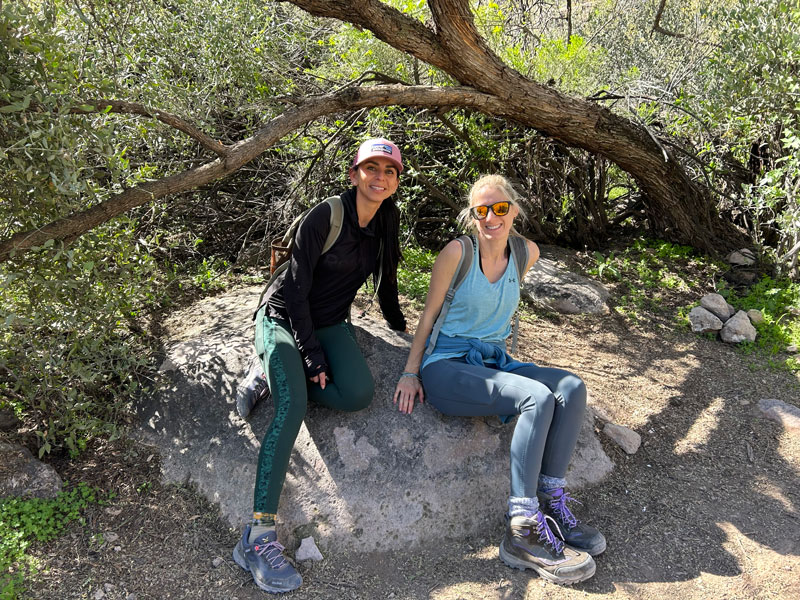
(480, 309)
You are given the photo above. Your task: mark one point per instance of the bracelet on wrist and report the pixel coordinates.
(410, 374)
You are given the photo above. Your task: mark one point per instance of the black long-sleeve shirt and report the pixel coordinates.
(317, 289)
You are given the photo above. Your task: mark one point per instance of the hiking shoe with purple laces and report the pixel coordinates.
(252, 389)
(574, 533)
(265, 561)
(529, 543)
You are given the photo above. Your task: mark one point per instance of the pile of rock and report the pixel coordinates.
(715, 314)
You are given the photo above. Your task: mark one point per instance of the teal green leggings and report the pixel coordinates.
(349, 388)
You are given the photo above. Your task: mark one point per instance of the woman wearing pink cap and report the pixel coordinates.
(306, 346)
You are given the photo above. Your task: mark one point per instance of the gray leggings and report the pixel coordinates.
(549, 402)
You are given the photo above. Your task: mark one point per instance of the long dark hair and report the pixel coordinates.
(389, 228)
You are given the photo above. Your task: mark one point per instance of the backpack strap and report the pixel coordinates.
(335, 229)
(519, 250)
(464, 265)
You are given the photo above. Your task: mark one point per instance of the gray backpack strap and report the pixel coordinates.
(337, 218)
(335, 229)
(519, 250)
(464, 265)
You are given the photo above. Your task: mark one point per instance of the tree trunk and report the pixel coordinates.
(679, 208)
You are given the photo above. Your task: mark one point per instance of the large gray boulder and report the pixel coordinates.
(550, 284)
(376, 479)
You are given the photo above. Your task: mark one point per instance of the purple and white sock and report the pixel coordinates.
(547, 483)
(522, 507)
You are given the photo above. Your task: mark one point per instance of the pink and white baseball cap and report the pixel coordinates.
(379, 147)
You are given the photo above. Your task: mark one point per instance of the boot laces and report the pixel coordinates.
(272, 553)
(562, 511)
(546, 534)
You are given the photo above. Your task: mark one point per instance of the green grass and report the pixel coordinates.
(24, 521)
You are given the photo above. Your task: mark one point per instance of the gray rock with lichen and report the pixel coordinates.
(371, 480)
(738, 329)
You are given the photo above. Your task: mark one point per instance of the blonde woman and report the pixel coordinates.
(467, 372)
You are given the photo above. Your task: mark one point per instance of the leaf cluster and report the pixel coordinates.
(35, 520)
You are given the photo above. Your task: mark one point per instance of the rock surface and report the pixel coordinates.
(743, 258)
(563, 291)
(780, 412)
(308, 550)
(717, 305)
(703, 321)
(23, 476)
(738, 329)
(625, 438)
(376, 479)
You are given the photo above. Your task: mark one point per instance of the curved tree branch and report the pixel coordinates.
(657, 22)
(239, 154)
(134, 108)
(677, 206)
(386, 23)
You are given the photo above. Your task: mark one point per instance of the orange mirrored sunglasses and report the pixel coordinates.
(499, 208)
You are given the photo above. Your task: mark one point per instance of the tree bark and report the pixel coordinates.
(681, 209)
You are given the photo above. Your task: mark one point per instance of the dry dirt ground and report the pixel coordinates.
(708, 508)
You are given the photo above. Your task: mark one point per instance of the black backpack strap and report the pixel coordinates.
(464, 265)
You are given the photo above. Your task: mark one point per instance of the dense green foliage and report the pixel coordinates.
(24, 521)
(414, 274)
(73, 345)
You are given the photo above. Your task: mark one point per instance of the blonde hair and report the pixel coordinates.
(499, 183)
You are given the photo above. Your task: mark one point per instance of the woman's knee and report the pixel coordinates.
(572, 391)
(359, 394)
(541, 401)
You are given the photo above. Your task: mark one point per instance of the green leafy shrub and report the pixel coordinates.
(414, 274)
(72, 352)
(779, 302)
(649, 270)
(23, 521)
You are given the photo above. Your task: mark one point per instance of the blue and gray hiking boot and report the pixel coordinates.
(574, 533)
(252, 389)
(265, 561)
(529, 543)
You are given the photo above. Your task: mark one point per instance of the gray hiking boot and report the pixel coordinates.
(530, 544)
(574, 533)
(252, 389)
(266, 563)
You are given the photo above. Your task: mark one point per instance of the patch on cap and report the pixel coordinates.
(385, 148)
